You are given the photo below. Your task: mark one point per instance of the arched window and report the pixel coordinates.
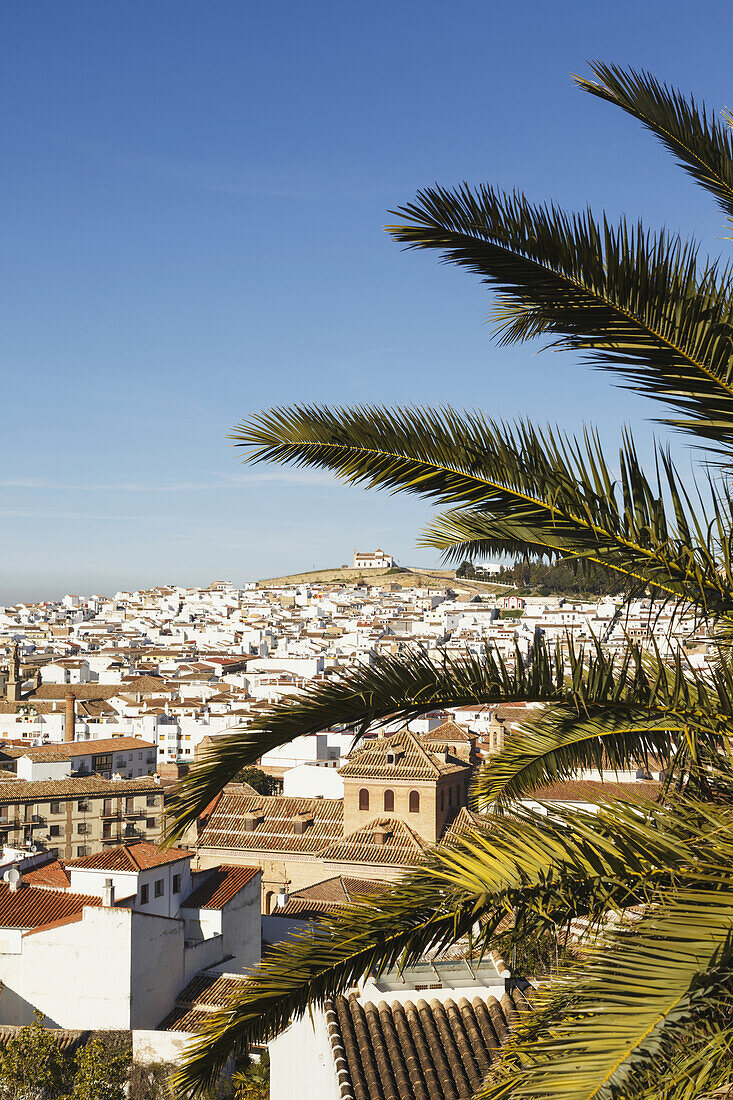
(363, 799)
(389, 802)
(268, 900)
(414, 802)
(442, 799)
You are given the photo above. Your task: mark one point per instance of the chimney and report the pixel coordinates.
(70, 717)
(282, 897)
(108, 897)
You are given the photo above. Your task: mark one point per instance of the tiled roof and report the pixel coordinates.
(204, 994)
(30, 907)
(274, 832)
(589, 790)
(67, 1040)
(52, 873)
(415, 760)
(43, 789)
(401, 846)
(326, 896)
(106, 744)
(219, 886)
(437, 1051)
(138, 856)
(446, 732)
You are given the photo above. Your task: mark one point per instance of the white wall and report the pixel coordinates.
(33, 770)
(159, 1046)
(301, 1064)
(310, 780)
(158, 970)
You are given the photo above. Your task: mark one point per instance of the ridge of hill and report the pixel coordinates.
(404, 576)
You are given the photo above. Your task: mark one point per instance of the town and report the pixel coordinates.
(106, 702)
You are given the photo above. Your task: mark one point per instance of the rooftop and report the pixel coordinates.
(137, 856)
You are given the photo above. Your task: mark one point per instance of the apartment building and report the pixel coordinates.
(72, 818)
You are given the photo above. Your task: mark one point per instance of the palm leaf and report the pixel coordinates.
(635, 303)
(557, 865)
(703, 146)
(517, 490)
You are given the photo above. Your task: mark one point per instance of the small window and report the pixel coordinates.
(414, 802)
(82, 805)
(151, 800)
(82, 850)
(139, 756)
(129, 805)
(55, 830)
(149, 822)
(363, 799)
(55, 808)
(107, 806)
(82, 828)
(389, 802)
(144, 894)
(159, 887)
(176, 884)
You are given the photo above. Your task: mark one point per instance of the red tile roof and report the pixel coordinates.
(52, 873)
(31, 907)
(219, 887)
(131, 857)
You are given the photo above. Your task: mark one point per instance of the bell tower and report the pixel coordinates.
(14, 682)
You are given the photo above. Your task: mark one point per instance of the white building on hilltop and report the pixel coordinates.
(376, 560)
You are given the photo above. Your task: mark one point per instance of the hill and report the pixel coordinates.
(405, 577)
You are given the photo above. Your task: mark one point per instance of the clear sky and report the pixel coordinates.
(193, 196)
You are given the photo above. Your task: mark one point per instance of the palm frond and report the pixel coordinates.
(513, 489)
(665, 974)
(635, 303)
(557, 866)
(703, 146)
(356, 698)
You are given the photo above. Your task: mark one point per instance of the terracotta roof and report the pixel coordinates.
(106, 744)
(204, 994)
(67, 1040)
(438, 1051)
(42, 789)
(219, 886)
(274, 831)
(52, 873)
(446, 732)
(589, 790)
(401, 845)
(31, 907)
(79, 691)
(326, 896)
(414, 759)
(138, 856)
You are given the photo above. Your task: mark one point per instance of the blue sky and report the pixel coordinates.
(192, 205)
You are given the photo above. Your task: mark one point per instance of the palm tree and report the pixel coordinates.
(648, 1010)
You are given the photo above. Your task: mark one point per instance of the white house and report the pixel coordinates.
(376, 560)
(88, 958)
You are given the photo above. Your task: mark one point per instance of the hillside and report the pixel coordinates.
(407, 578)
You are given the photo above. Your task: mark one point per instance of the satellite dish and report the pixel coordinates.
(34, 849)
(12, 875)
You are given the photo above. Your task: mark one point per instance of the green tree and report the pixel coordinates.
(648, 1009)
(102, 1068)
(32, 1064)
(259, 781)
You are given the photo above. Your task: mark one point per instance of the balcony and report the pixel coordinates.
(133, 813)
(111, 815)
(34, 821)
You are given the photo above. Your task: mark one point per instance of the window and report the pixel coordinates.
(363, 799)
(159, 887)
(389, 802)
(149, 822)
(82, 828)
(129, 805)
(107, 830)
(55, 830)
(82, 805)
(414, 802)
(120, 762)
(144, 894)
(55, 808)
(176, 884)
(151, 800)
(102, 762)
(139, 756)
(82, 850)
(3, 838)
(107, 806)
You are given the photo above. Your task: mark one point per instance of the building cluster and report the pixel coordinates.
(106, 702)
